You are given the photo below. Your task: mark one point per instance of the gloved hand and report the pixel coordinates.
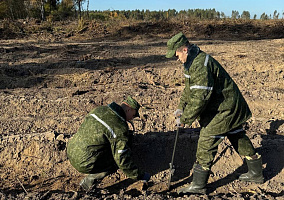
(146, 177)
(178, 123)
(178, 113)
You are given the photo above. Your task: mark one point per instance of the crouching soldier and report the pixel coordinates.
(101, 145)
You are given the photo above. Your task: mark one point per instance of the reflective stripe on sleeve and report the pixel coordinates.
(218, 136)
(187, 76)
(122, 151)
(201, 87)
(103, 123)
(206, 60)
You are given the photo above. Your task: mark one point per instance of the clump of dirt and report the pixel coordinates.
(47, 88)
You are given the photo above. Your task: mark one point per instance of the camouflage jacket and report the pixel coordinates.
(211, 96)
(103, 136)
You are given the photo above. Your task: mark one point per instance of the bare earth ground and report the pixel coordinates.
(48, 87)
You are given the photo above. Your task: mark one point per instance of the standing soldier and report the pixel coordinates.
(101, 145)
(211, 96)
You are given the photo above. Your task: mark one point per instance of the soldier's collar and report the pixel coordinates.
(117, 109)
(193, 52)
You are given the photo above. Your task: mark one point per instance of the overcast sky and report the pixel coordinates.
(253, 6)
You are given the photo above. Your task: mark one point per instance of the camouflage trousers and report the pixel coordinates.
(208, 145)
(100, 162)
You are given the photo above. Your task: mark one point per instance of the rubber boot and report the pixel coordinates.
(200, 178)
(90, 180)
(254, 173)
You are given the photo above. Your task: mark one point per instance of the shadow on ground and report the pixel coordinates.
(153, 151)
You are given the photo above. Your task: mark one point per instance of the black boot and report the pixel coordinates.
(90, 180)
(200, 178)
(254, 173)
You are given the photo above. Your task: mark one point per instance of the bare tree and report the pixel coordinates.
(42, 10)
(79, 5)
(16, 8)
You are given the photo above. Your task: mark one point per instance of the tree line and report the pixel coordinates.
(55, 10)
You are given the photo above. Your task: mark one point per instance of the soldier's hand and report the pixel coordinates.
(178, 113)
(178, 123)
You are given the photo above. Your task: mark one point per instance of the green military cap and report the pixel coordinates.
(133, 104)
(174, 43)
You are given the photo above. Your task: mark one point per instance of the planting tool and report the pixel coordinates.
(172, 168)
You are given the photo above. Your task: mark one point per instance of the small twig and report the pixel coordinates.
(32, 73)
(22, 186)
(44, 195)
